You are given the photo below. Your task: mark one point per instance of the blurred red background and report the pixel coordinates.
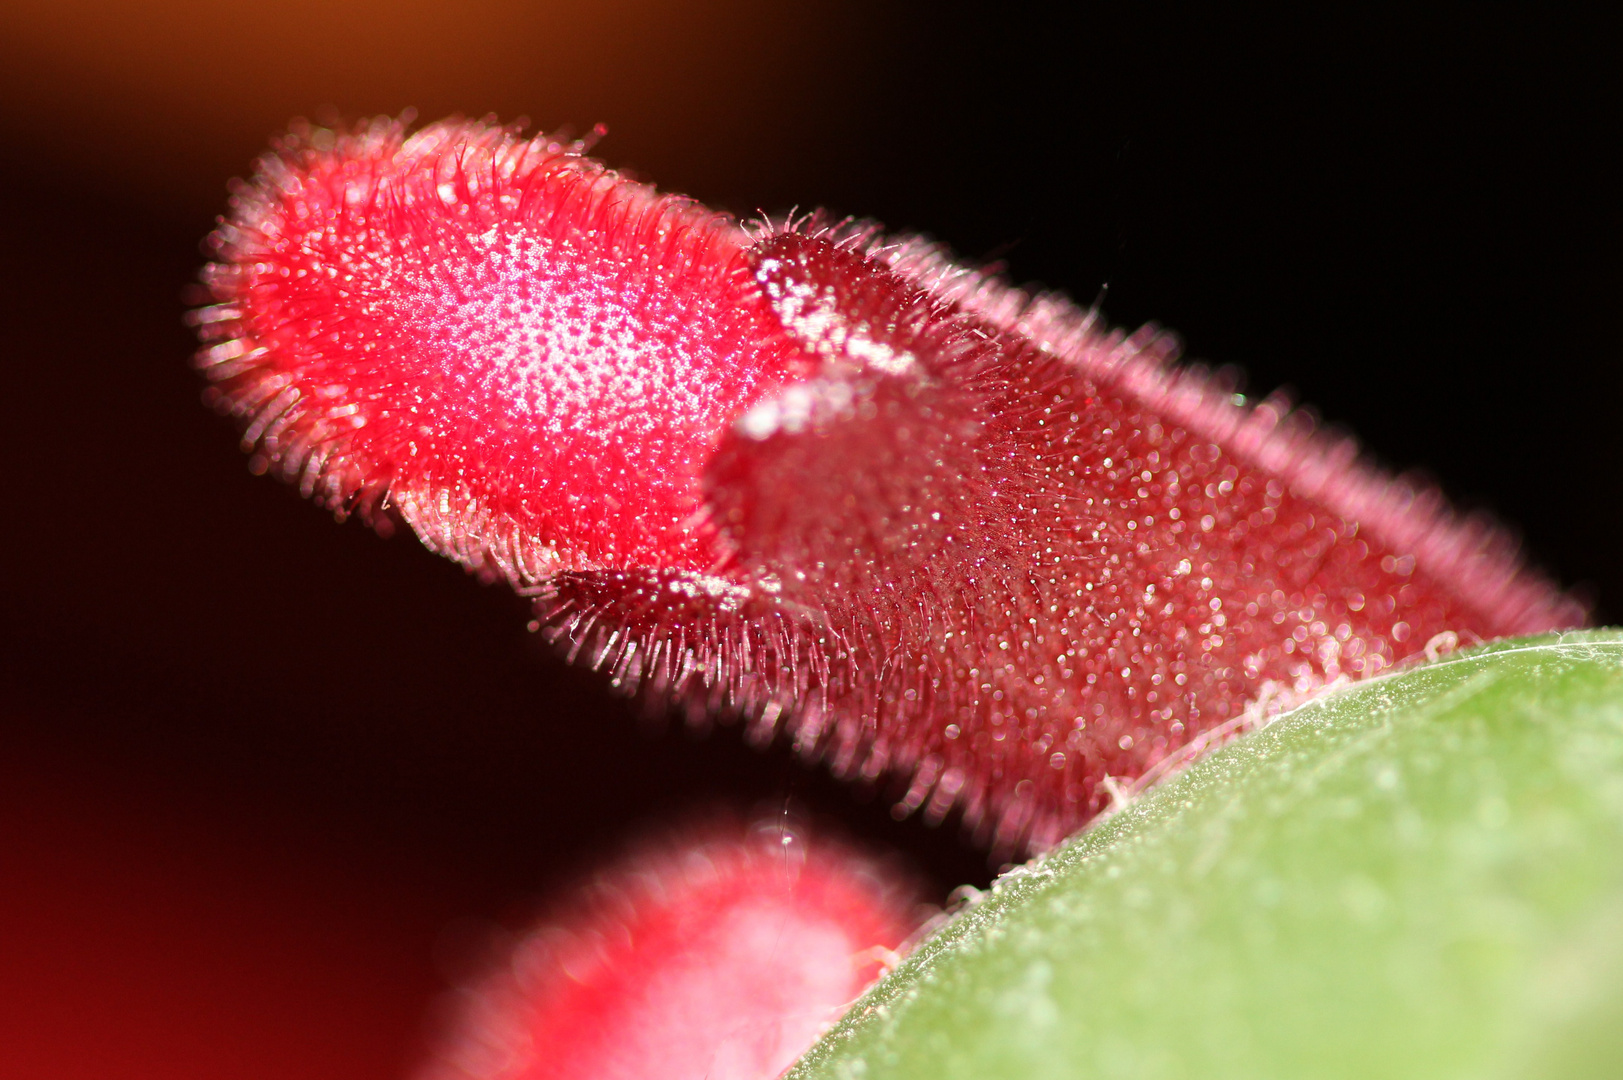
(262, 777)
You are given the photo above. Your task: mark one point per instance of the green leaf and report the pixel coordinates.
(1421, 876)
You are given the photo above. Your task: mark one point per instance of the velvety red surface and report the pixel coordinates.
(530, 356)
(925, 523)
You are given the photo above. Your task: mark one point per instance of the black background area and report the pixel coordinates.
(257, 770)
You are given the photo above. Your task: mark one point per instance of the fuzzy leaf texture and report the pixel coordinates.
(1418, 877)
(927, 525)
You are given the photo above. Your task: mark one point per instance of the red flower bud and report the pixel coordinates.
(924, 522)
(722, 958)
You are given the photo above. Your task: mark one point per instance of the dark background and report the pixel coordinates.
(260, 773)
